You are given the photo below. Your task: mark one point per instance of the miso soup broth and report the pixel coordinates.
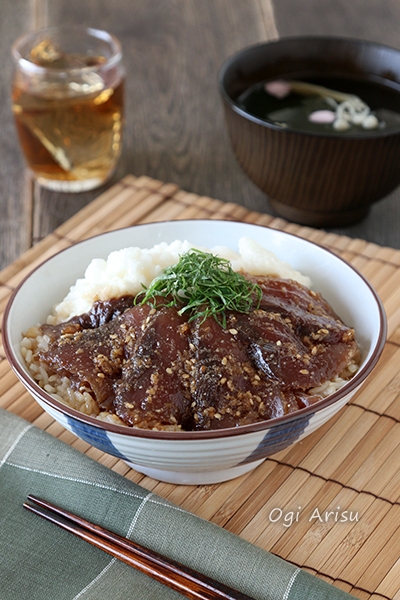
(316, 113)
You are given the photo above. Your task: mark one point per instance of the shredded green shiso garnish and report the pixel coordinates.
(204, 284)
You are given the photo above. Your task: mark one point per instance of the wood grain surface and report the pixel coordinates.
(175, 130)
(351, 462)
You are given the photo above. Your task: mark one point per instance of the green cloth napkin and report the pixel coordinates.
(39, 561)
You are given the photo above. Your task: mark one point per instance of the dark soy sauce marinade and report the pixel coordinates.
(293, 110)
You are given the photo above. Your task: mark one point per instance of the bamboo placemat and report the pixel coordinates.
(350, 464)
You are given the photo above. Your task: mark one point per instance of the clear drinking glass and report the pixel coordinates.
(67, 95)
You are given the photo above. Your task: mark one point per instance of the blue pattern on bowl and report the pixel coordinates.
(94, 436)
(279, 437)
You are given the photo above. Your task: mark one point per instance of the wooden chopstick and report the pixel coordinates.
(187, 582)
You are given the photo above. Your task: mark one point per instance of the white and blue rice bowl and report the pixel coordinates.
(201, 457)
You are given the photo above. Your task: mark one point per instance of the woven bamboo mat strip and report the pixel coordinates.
(349, 467)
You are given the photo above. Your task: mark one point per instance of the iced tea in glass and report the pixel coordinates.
(68, 98)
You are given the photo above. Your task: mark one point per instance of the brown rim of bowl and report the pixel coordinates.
(348, 387)
(296, 39)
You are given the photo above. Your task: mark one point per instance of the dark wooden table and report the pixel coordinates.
(175, 129)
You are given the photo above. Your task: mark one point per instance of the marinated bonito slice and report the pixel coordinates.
(227, 389)
(296, 336)
(92, 358)
(154, 389)
(104, 311)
